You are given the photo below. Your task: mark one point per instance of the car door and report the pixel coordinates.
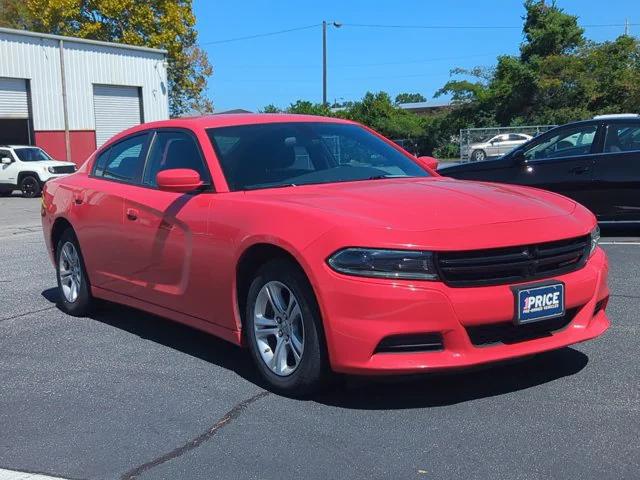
(99, 206)
(494, 145)
(170, 262)
(617, 172)
(561, 161)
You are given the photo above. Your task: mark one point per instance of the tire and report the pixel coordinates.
(478, 155)
(30, 186)
(80, 303)
(300, 330)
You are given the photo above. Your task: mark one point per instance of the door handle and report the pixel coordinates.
(579, 170)
(132, 214)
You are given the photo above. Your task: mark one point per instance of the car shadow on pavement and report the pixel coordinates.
(442, 389)
(171, 334)
(362, 393)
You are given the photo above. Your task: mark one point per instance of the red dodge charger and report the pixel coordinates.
(322, 246)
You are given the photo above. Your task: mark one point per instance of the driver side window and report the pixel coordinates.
(567, 142)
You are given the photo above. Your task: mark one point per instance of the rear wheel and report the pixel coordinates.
(284, 330)
(478, 155)
(30, 186)
(73, 283)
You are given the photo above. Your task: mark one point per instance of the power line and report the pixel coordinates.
(261, 35)
(466, 27)
(626, 25)
(359, 65)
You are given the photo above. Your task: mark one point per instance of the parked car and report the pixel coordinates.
(27, 168)
(321, 246)
(496, 146)
(596, 162)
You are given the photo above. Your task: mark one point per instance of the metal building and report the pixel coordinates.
(69, 95)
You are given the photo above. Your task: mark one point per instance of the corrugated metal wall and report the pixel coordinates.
(38, 60)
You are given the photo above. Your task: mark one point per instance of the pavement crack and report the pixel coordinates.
(194, 443)
(24, 314)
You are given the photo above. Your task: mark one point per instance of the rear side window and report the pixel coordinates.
(124, 161)
(174, 149)
(565, 142)
(622, 137)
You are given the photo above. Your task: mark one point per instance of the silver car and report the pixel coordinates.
(497, 145)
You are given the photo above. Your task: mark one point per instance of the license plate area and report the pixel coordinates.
(537, 302)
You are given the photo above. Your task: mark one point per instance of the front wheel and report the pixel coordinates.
(284, 330)
(73, 284)
(30, 186)
(478, 155)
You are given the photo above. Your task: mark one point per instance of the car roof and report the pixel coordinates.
(227, 120)
(18, 146)
(233, 119)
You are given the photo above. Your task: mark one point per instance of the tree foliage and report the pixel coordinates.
(410, 98)
(166, 24)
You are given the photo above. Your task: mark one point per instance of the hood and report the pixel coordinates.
(423, 204)
(50, 163)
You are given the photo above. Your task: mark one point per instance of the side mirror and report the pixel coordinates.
(6, 161)
(429, 162)
(179, 180)
(518, 156)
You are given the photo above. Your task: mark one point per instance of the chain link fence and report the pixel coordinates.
(481, 143)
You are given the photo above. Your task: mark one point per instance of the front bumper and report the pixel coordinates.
(359, 313)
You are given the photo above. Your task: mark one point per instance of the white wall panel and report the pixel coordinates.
(37, 59)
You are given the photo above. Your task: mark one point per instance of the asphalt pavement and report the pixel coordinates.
(125, 394)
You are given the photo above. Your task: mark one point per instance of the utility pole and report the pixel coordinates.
(324, 58)
(324, 62)
(626, 26)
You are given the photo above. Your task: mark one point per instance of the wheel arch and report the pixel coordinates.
(251, 260)
(27, 173)
(59, 226)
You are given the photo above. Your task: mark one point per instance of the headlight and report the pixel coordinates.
(595, 238)
(51, 169)
(369, 262)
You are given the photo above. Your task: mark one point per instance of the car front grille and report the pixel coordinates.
(499, 266)
(64, 169)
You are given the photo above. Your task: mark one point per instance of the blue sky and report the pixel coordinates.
(283, 68)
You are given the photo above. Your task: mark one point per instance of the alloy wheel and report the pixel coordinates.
(29, 187)
(70, 272)
(278, 328)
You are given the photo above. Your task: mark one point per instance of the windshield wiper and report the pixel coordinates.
(387, 175)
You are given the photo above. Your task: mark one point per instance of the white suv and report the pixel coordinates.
(27, 168)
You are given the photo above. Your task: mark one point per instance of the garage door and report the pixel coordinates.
(15, 127)
(115, 109)
(14, 100)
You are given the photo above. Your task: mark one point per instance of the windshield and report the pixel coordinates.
(300, 153)
(31, 154)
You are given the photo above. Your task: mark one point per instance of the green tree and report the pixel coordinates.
(14, 14)
(410, 98)
(304, 107)
(549, 31)
(271, 108)
(166, 24)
